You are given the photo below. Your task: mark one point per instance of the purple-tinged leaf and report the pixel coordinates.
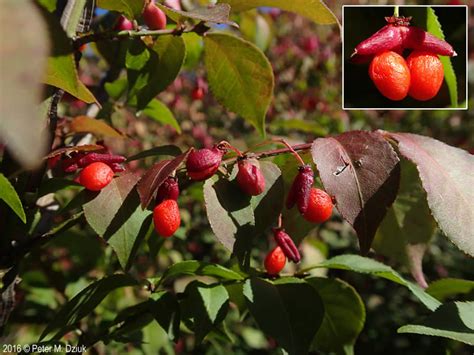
(362, 173)
(408, 226)
(447, 175)
(155, 176)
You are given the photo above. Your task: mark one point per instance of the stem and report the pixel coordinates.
(290, 149)
(275, 152)
(231, 147)
(396, 12)
(111, 35)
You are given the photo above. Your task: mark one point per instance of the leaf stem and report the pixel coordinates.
(396, 11)
(275, 152)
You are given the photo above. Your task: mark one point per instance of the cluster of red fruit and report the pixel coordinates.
(419, 76)
(314, 204)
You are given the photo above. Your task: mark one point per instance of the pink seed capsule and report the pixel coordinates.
(300, 189)
(386, 38)
(123, 24)
(98, 157)
(70, 167)
(287, 245)
(203, 163)
(116, 167)
(416, 38)
(398, 35)
(168, 190)
(250, 178)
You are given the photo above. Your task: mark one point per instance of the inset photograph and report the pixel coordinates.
(404, 57)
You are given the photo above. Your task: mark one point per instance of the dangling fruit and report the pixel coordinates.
(154, 17)
(166, 218)
(250, 178)
(203, 163)
(299, 191)
(319, 206)
(96, 176)
(275, 261)
(168, 190)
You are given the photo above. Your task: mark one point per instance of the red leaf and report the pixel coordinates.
(447, 176)
(362, 172)
(155, 176)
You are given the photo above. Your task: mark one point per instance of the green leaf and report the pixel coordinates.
(365, 265)
(289, 310)
(444, 288)
(453, 320)
(167, 313)
(240, 76)
(434, 27)
(161, 113)
(95, 126)
(9, 195)
(61, 67)
(21, 122)
(218, 13)
(194, 49)
(238, 219)
(194, 267)
(73, 17)
(152, 70)
(162, 306)
(315, 10)
(408, 224)
(207, 305)
(344, 315)
(164, 150)
(115, 215)
(256, 29)
(312, 127)
(116, 88)
(54, 185)
(130, 8)
(84, 303)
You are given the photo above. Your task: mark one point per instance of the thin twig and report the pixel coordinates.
(111, 35)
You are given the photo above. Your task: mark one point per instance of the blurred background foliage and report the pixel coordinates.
(306, 60)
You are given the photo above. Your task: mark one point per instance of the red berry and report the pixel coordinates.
(96, 176)
(300, 189)
(166, 218)
(319, 206)
(427, 75)
(250, 178)
(168, 190)
(123, 24)
(203, 163)
(197, 93)
(154, 18)
(275, 261)
(390, 74)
